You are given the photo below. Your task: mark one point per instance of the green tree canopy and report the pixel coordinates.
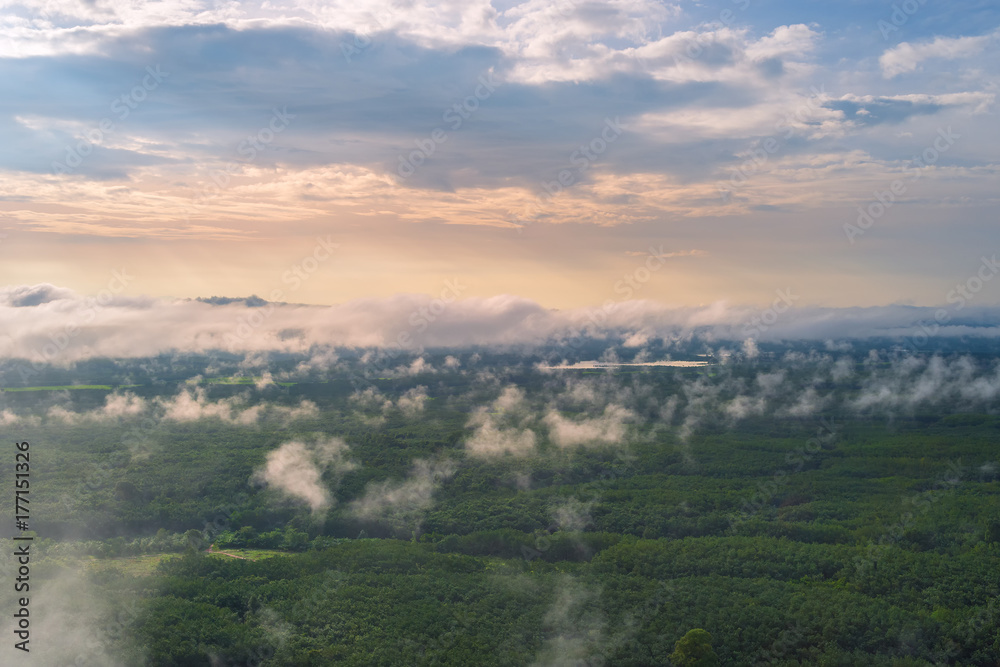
(694, 650)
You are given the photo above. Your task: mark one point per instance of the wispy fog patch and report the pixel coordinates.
(116, 407)
(667, 410)
(370, 399)
(321, 360)
(304, 410)
(770, 383)
(123, 405)
(701, 399)
(59, 413)
(501, 428)
(190, 404)
(742, 407)
(297, 468)
(8, 418)
(842, 369)
(572, 514)
(913, 382)
(412, 402)
(490, 440)
(401, 504)
(193, 405)
(637, 339)
(575, 627)
(607, 429)
(417, 367)
(809, 403)
(583, 392)
(73, 622)
(265, 380)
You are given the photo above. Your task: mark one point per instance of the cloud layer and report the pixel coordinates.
(62, 327)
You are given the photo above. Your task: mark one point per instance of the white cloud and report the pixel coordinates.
(59, 413)
(785, 40)
(973, 101)
(193, 405)
(116, 406)
(490, 440)
(148, 327)
(123, 405)
(419, 365)
(770, 383)
(906, 57)
(296, 469)
(501, 428)
(8, 418)
(914, 382)
(370, 399)
(742, 407)
(606, 429)
(412, 402)
(842, 369)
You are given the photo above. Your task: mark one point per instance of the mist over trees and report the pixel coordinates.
(472, 506)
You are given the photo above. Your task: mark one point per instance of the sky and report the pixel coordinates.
(538, 155)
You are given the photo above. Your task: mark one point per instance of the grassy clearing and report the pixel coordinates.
(103, 387)
(243, 381)
(138, 566)
(145, 565)
(248, 554)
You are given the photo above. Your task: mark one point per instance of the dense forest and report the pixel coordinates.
(464, 508)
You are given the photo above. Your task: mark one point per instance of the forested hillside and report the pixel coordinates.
(801, 510)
